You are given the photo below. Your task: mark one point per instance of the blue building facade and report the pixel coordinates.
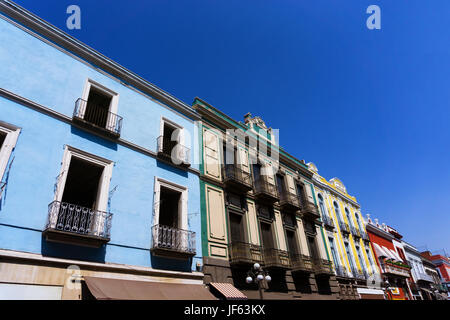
(97, 165)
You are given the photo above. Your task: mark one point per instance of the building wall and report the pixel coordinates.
(338, 235)
(215, 228)
(35, 70)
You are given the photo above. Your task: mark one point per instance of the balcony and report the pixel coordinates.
(73, 224)
(245, 253)
(237, 179)
(354, 231)
(310, 210)
(358, 274)
(301, 262)
(364, 235)
(173, 151)
(289, 201)
(171, 242)
(340, 271)
(390, 267)
(344, 227)
(420, 276)
(322, 266)
(274, 258)
(95, 117)
(266, 191)
(328, 221)
(2, 186)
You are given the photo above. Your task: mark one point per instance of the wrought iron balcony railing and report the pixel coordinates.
(328, 221)
(172, 242)
(358, 274)
(340, 271)
(237, 178)
(364, 235)
(301, 262)
(309, 209)
(355, 231)
(66, 222)
(344, 227)
(2, 187)
(275, 258)
(322, 266)
(245, 253)
(173, 151)
(97, 117)
(265, 190)
(420, 276)
(367, 274)
(289, 200)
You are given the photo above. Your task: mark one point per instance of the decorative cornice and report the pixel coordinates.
(80, 49)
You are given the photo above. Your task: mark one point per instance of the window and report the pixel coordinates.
(336, 209)
(84, 179)
(370, 258)
(280, 184)
(361, 258)
(237, 227)
(301, 193)
(8, 140)
(98, 107)
(81, 194)
(333, 252)
(359, 222)
(170, 234)
(171, 143)
(170, 205)
(292, 242)
(313, 248)
(347, 213)
(350, 257)
(322, 205)
(267, 237)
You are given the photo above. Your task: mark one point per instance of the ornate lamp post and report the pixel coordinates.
(386, 286)
(256, 275)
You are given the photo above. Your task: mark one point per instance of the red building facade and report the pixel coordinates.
(391, 260)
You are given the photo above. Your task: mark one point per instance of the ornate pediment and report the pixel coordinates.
(312, 167)
(248, 119)
(338, 184)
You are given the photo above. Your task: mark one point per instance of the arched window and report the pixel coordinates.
(336, 209)
(347, 213)
(322, 205)
(358, 221)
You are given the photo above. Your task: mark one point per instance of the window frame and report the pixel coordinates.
(101, 203)
(182, 209)
(113, 106)
(12, 134)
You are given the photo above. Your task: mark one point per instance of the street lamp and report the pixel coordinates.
(257, 275)
(386, 285)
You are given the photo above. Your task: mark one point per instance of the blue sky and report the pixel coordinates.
(370, 107)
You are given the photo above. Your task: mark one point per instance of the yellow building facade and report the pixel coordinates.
(346, 240)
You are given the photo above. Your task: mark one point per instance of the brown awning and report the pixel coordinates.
(228, 291)
(115, 289)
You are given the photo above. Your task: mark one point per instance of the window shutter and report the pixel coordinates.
(290, 184)
(211, 154)
(243, 159)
